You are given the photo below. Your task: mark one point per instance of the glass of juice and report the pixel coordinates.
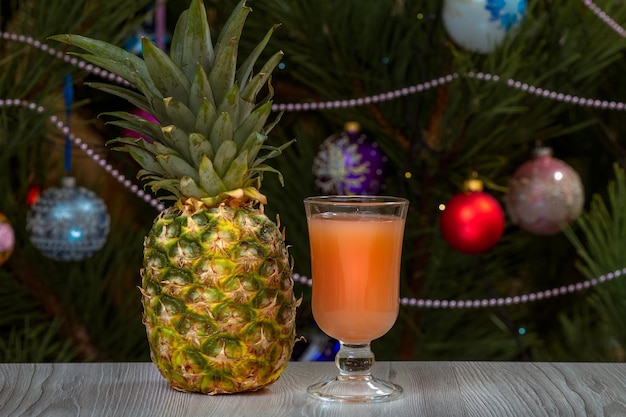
(356, 247)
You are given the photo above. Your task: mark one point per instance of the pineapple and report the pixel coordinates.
(217, 287)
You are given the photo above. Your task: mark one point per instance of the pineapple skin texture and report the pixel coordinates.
(217, 292)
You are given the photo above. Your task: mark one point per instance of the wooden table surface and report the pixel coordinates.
(448, 389)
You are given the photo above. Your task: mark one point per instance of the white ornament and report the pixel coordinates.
(481, 25)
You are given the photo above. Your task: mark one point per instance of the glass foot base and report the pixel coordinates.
(360, 389)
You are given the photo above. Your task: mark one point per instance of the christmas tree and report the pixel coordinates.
(441, 108)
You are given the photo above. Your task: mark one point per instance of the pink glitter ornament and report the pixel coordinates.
(7, 239)
(545, 194)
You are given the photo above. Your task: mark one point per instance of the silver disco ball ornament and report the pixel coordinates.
(68, 223)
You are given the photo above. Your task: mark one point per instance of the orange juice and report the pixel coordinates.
(355, 262)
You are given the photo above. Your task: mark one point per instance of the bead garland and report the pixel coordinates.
(405, 301)
(59, 124)
(530, 89)
(72, 60)
(605, 18)
(356, 102)
(492, 302)
(361, 101)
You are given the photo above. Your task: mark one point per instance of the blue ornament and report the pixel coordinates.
(316, 346)
(68, 223)
(481, 25)
(133, 44)
(349, 163)
(150, 30)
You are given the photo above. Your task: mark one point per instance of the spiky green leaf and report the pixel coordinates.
(199, 146)
(168, 78)
(126, 142)
(222, 75)
(177, 139)
(273, 152)
(136, 123)
(253, 123)
(230, 103)
(126, 71)
(268, 128)
(107, 51)
(176, 167)
(209, 180)
(130, 126)
(146, 160)
(255, 85)
(245, 70)
(132, 97)
(222, 130)
(177, 44)
(233, 27)
(180, 113)
(158, 111)
(224, 156)
(189, 188)
(252, 146)
(170, 185)
(260, 169)
(145, 174)
(237, 172)
(200, 90)
(205, 118)
(193, 40)
(161, 149)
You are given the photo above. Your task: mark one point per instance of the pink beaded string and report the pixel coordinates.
(72, 60)
(492, 302)
(567, 98)
(605, 18)
(59, 124)
(512, 83)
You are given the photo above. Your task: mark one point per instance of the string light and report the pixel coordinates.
(497, 302)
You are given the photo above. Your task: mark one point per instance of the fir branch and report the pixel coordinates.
(73, 328)
(603, 228)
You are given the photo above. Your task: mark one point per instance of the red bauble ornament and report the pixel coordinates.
(545, 194)
(473, 221)
(33, 195)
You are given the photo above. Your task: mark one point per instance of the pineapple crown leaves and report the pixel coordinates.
(211, 128)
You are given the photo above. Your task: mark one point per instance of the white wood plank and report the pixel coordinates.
(431, 389)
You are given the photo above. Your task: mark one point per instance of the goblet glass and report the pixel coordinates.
(356, 247)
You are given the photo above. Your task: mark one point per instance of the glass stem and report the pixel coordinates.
(354, 361)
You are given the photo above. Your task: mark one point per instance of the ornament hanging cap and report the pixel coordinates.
(68, 182)
(473, 184)
(352, 127)
(542, 151)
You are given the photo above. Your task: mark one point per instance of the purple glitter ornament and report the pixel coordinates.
(349, 163)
